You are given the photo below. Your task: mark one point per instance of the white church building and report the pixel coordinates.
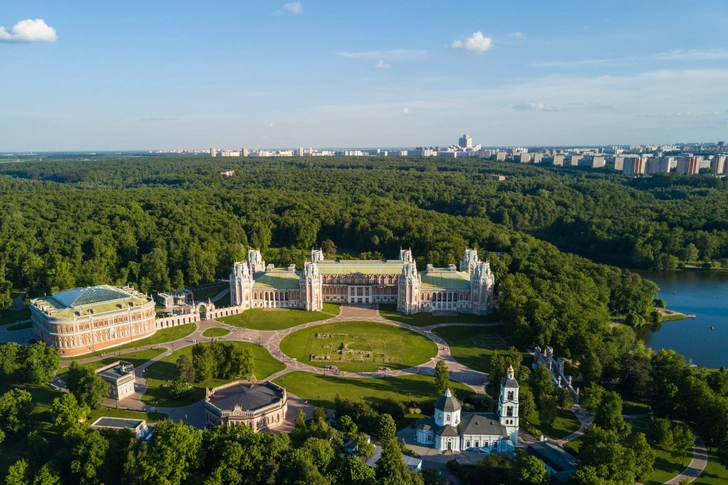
(450, 429)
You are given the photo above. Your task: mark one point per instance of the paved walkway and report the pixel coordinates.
(697, 464)
(271, 339)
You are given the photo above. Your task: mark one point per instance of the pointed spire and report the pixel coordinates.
(510, 371)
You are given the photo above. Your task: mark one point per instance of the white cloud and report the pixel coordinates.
(381, 65)
(476, 44)
(517, 35)
(684, 55)
(527, 106)
(29, 31)
(405, 111)
(390, 55)
(294, 7)
(159, 118)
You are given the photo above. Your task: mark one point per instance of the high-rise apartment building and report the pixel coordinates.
(633, 166)
(244, 152)
(688, 165)
(213, 152)
(719, 164)
(465, 142)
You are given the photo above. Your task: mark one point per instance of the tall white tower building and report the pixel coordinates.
(508, 405)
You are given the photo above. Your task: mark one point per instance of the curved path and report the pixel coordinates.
(271, 339)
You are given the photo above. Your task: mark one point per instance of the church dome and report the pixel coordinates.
(447, 403)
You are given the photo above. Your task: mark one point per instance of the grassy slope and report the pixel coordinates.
(714, 473)
(426, 319)
(205, 293)
(257, 319)
(309, 387)
(162, 372)
(18, 316)
(391, 346)
(565, 424)
(473, 347)
(137, 358)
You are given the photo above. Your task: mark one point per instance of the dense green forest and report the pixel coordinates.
(181, 223)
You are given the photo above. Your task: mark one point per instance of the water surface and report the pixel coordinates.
(704, 294)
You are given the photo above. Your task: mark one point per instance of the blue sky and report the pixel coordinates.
(194, 74)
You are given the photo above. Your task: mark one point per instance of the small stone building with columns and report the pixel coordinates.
(451, 429)
(464, 289)
(260, 406)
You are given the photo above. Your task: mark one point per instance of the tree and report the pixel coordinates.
(690, 253)
(564, 398)
(86, 385)
(498, 369)
(644, 457)
(387, 428)
(88, 453)
(542, 385)
(364, 446)
(15, 408)
(18, 473)
(185, 369)
(547, 412)
(442, 378)
(591, 368)
(526, 404)
(347, 426)
(40, 362)
(390, 466)
(353, 471)
(527, 470)
(179, 389)
(329, 248)
(602, 450)
(203, 362)
(661, 431)
(609, 415)
(174, 453)
(591, 396)
(47, 475)
(683, 440)
(68, 411)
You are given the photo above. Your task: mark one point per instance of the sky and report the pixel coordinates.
(138, 75)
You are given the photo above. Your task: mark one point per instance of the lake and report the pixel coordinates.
(704, 294)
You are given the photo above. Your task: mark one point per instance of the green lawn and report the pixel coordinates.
(18, 316)
(215, 332)
(205, 293)
(565, 424)
(137, 358)
(381, 345)
(161, 336)
(224, 301)
(20, 326)
(257, 319)
(630, 407)
(714, 473)
(666, 466)
(161, 373)
(473, 346)
(309, 387)
(574, 446)
(426, 319)
(123, 413)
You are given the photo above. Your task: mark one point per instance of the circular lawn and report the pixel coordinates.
(359, 346)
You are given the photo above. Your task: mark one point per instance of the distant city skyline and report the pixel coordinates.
(140, 76)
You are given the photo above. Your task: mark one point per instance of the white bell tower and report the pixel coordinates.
(508, 405)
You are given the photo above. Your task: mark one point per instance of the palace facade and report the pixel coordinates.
(464, 289)
(84, 320)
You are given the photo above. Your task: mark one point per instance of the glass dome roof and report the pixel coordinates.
(89, 296)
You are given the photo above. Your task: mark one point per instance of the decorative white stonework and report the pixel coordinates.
(450, 429)
(468, 290)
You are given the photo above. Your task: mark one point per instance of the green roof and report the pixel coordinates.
(278, 279)
(360, 266)
(443, 278)
(99, 299)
